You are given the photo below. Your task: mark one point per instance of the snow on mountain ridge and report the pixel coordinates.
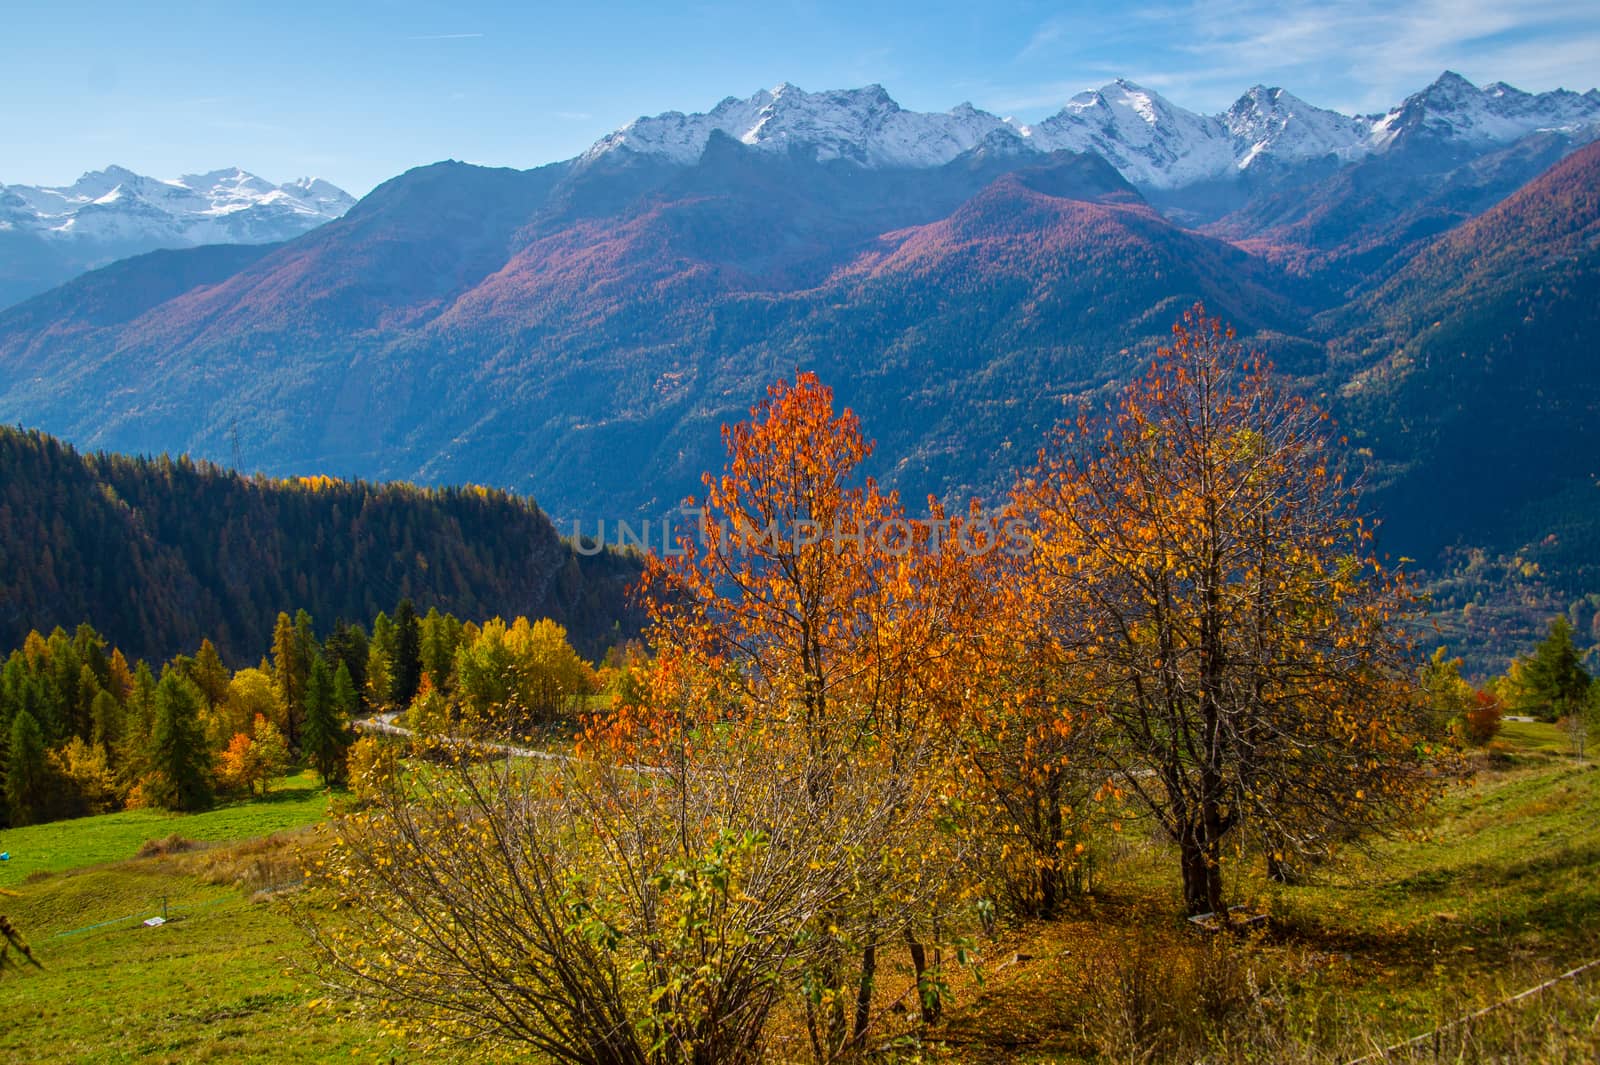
(120, 207)
(1278, 123)
(1453, 109)
(864, 126)
(1151, 141)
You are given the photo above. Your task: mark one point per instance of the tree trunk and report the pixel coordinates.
(1049, 887)
(1202, 877)
(931, 1009)
(869, 968)
(1050, 875)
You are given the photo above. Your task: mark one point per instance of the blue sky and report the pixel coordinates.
(358, 90)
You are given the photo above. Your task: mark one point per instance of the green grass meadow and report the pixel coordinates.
(219, 982)
(291, 802)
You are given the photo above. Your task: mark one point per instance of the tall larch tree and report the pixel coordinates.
(380, 663)
(210, 675)
(25, 783)
(290, 671)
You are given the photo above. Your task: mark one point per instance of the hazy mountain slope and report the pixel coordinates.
(581, 333)
(957, 340)
(1474, 381)
(1363, 220)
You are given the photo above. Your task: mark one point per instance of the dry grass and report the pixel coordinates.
(1502, 894)
(160, 848)
(258, 868)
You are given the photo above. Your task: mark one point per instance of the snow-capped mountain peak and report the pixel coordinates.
(1150, 140)
(1153, 142)
(113, 213)
(223, 205)
(1275, 123)
(864, 126)
(1455, 111)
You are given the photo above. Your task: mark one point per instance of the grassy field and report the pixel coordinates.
(219, 982)
(292, 802)
(1499, 889)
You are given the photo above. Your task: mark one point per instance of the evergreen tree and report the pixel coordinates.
(90, 648)
(13, 678)
(210, 675)
(83, 703)
(119, 681)
(25, 790)
(407, 654)
(345, 696)
(179, 761)
(383, 636)
(138, 720)
(5, 765)
(327, 729)
(441, 635)
(1554, 681)
(380, 662)
(305, 632)
(107, 714)
(60, 687)
(347, 646)
(289, 675)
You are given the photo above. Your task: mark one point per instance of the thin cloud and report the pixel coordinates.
(1356, 56)
(1043, 40)
(1398, 48)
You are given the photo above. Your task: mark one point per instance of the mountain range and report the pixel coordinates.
(579, 331)
(50, 235)
(1153, 143)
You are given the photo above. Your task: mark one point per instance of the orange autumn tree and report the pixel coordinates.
(1204, 575)
(806, 612)
(769, 808)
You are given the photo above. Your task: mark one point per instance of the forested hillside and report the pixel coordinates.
(1470, 376)
(165, 552)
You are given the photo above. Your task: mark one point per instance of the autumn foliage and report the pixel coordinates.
(858, 733)
(1203, 575)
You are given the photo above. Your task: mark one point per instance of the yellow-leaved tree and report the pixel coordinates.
(1202, 568)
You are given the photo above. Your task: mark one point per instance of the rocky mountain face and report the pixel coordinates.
(49, 235)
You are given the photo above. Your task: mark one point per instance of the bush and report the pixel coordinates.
(1481, 720)
(160, 848)
(623, 914)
